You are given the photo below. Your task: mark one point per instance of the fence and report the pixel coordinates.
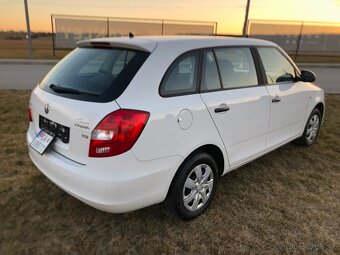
(299, 38)
(67, 30)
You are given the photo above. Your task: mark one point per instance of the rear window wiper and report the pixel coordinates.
(66, 90)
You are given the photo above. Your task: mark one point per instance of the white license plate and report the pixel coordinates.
(41, 142)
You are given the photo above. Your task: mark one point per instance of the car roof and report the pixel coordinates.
(149, 43)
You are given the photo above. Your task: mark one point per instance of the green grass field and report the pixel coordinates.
(287, 202)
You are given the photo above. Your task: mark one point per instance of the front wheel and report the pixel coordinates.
(311, 130)
(193, 187)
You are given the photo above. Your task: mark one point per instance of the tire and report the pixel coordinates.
(193, 186)
(311, 130)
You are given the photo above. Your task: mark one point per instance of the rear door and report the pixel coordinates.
(288, 98)
(238, 105)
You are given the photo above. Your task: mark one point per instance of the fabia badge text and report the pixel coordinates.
(83, 124)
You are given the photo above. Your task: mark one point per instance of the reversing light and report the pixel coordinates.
(101, 135)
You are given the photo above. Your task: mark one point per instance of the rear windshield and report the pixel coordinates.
(94, 74)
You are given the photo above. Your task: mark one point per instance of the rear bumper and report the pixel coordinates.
(116, 184)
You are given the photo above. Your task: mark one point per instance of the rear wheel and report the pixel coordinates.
(193, 187)
(312, 128)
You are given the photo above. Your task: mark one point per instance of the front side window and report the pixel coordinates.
(181, 77)
(278, 69)
(236, 67)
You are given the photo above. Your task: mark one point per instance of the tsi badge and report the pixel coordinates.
(47, 108)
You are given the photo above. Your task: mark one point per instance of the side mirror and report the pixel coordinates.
(307, 76)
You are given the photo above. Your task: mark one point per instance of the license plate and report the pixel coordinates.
(60, 131)
(41, 142)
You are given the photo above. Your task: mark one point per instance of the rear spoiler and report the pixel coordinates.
(124, 43)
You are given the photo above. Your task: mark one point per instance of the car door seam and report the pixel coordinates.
(206, 107)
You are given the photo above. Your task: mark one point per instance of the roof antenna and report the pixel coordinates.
(131, 35)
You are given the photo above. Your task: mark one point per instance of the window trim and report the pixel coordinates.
(261, 75)
(175, 62)
(296, 70)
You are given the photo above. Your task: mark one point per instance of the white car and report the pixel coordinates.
(124, 123)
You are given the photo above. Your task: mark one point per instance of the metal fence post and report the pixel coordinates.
(108, 26)
(298, 42)
(162, 26)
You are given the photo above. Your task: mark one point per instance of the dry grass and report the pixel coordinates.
(286, 202)
(316, 59)
(42, 49)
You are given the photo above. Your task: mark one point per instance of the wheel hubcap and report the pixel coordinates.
(312, 128)
(198, 187)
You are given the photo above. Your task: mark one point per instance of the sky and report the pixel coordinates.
(228, 13)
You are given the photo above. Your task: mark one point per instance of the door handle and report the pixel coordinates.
(276, 99)
(221, 108)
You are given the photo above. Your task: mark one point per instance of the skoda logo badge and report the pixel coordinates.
(47, 109)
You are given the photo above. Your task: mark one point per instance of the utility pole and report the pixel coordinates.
(244, 33)
(29, 38)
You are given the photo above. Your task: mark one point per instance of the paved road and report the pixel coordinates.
(327, 78)
(26, 76)
(22, 76)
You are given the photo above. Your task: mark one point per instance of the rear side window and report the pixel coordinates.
(210, 77)
(237, 67)
(94, 74)
(278, 69)
(181, 77)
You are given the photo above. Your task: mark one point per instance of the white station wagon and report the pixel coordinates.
(124, 123)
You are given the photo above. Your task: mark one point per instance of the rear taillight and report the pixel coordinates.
(117, 132)
(30, 115)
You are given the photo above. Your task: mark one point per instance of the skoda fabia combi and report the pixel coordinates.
(124, 123)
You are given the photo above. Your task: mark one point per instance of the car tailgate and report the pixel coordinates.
(81, 117)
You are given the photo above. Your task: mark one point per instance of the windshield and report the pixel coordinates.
(94, 74)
